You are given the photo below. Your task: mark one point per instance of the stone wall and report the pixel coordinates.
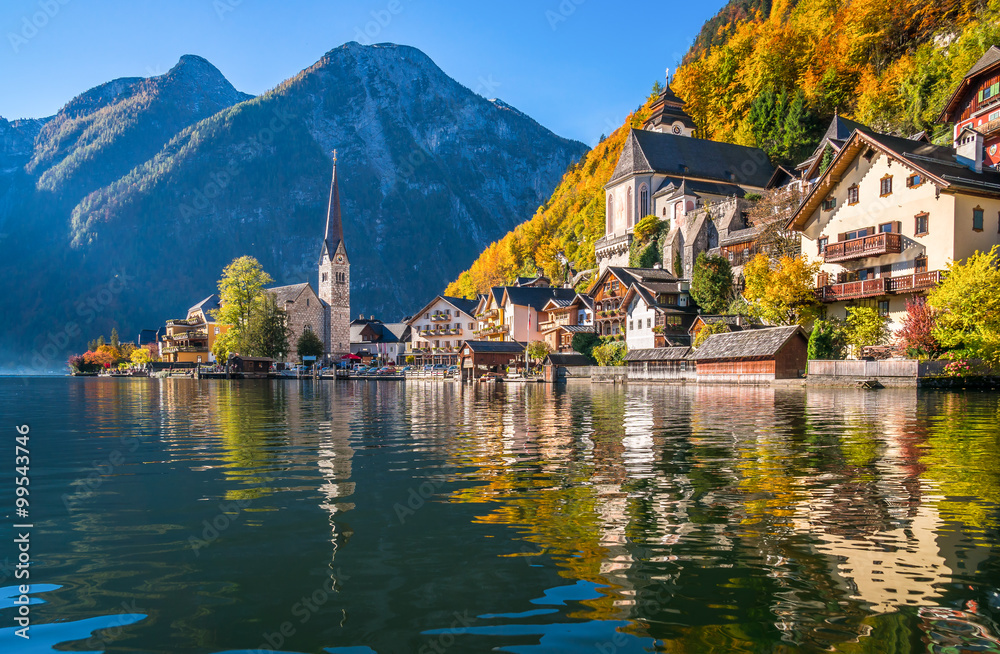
(307, 310)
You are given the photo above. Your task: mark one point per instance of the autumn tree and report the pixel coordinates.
(709, 329)
(967, 302)
(781, 293)
(916, 337)
(538, 350)
(712, 283)
(611, 353)
(140, 356)
(769, 215)
(240, 290)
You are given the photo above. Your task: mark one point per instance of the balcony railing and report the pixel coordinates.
(914, 282)
(183, 348)
(866, 246)
(854, 290)
(440, 317)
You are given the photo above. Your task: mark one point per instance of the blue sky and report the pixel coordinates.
(576, 66)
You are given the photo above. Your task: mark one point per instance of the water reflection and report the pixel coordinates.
(395, 517)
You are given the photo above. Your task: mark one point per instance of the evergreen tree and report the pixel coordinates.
(309, 344)
(114, 338)
(267, 333)
(712, 283)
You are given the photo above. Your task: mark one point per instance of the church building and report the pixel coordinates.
(665, 171)
(335, 277)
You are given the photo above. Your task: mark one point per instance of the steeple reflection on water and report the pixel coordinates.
(309, 517)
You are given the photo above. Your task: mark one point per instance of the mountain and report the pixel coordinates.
(140, 191)
(771, 74)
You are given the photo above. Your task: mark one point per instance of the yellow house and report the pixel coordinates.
(491, 318)
(887, 216)
(190, 340)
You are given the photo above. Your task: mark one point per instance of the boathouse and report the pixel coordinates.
(752, 356)
(660, 364)
(478, 357)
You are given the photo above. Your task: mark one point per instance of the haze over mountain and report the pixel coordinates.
(123, 208)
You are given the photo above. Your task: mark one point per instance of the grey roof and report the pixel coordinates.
(989, 58)
(658, 354)
(400, 330)
(697, 188)
(656, 152)
(579, 329)
(569, 359)
(742, 235)
(211, 303)
(536, 298)
(746, 344)
(462, 304)
(288, 293)
(385, 335)
(501, 347)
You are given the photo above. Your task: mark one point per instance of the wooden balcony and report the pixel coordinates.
(854, 290)
(868, 246)
(879, 286)
(915, 282)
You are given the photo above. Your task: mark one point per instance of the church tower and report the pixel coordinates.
(335, 277)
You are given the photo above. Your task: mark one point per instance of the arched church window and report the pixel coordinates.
(643, 201)
(628, 208)
(611, 213)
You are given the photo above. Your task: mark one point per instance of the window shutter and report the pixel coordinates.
(980, 95)
(995, 88)
(841, 237)
(871, 230)
(897, 226)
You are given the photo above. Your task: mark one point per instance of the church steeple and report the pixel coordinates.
(668, 115)
(333, 236)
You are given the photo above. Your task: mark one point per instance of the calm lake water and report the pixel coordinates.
(212, 516)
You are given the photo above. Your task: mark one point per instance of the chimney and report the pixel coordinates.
(969, 149)
(657, 266)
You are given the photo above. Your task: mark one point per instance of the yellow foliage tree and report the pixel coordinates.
(782, 292)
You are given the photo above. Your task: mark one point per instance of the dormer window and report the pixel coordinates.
(852, 194)
(829, 204)
(885, 186)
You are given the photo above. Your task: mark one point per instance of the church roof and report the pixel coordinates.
(333, 235)
(683, 156)
(288, 293)
(668, 109)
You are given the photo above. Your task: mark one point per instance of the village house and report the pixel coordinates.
(439, 328)
(752, 356)
(888, 216)
(974, 107)
(663, 171)
(517, 313)
(565, 319)
(646, 307)
(373, 339)
(489, 316)
(190, 340)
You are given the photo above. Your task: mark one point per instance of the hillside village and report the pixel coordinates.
(874, 221)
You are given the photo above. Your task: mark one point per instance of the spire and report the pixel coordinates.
(334, 233)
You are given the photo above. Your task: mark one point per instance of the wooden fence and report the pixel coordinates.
(661, 370)
(886, 368)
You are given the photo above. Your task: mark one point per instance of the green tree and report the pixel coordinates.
(267, 333)
(826, 160)
(968, 307)
(309, 344)
(865, 327)
(712, 283)
(584, 343)
(826, 341)
(223, 345)
(115, 341)
(645, 250)
(611, 353)
(240, 289)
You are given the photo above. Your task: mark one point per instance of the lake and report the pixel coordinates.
(428, 517)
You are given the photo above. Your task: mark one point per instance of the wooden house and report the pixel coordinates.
(752, 356)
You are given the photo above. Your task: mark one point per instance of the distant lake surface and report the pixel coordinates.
(298, 516)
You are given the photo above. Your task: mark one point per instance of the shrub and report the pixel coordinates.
(611, 354)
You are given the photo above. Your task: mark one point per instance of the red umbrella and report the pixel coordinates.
(352, 357)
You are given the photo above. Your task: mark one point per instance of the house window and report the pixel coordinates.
(887, 228)
(858, 233)
(307, 302)
(630, 325)
(885, 270)
(920, 264)
(977, 219)
(914, 180)
(216, 331)
(470, 325)
(671, 300)
(326, 276)
(829, 203)
(883, 307)
(821, 243)
(674, 322)
(852, 194)
(885, 186)
(920, 224)
(614, 286)
(649, 323)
